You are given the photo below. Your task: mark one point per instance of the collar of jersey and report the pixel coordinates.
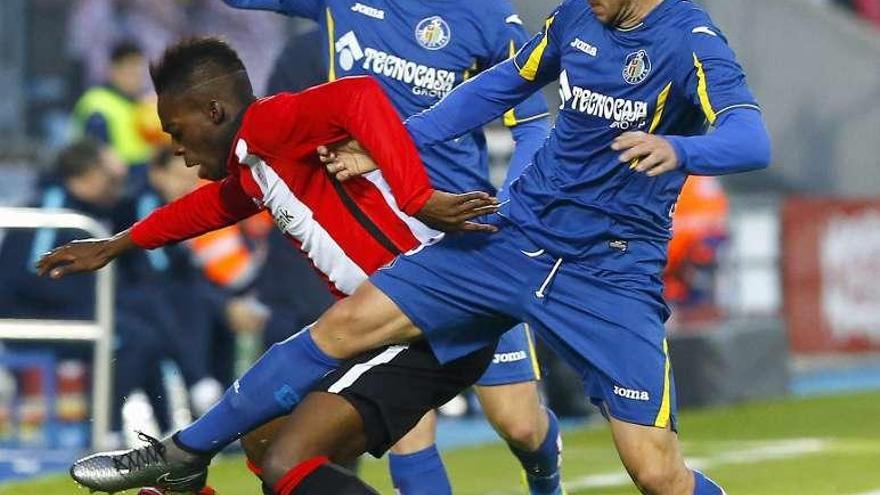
(654, 14)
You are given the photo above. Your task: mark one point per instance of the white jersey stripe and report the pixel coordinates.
(425, 234)
(296, 219)
(358, 370)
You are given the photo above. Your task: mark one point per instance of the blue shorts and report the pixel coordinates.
(515, 360)
(468, 289)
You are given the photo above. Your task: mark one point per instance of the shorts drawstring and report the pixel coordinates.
(542, 291)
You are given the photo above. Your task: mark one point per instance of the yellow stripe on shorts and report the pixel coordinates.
(662, 420)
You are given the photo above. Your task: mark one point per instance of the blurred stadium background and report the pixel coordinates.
(774, 276)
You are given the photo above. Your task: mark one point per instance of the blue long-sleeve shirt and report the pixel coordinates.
(671, 75)
(419, 51)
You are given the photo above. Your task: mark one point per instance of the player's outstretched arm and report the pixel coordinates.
(210, 207)
(85, 255)
(471, 105)
(295, 8)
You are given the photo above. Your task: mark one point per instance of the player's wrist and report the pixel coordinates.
(119, 243)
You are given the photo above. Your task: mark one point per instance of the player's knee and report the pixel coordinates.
(523, 433)
(338, 332)
(254, 448)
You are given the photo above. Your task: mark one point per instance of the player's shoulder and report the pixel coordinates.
(260, 125)
(493, 11)
(692, 21)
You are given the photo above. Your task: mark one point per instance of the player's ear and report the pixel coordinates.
(216, 111)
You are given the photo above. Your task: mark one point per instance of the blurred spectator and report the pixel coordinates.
(110, 112)
(88, 179)
(699, 228)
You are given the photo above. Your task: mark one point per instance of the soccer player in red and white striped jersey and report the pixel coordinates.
(261, 154)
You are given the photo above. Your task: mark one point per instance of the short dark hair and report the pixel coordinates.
(78, 158)
(194, 60)
(125, 49)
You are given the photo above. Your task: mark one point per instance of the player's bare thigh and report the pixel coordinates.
(366, 320)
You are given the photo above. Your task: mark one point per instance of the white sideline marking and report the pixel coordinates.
(757, 452)
(875, 492)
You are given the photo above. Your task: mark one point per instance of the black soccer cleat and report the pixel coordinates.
(161, 464)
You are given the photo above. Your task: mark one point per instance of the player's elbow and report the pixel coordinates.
(762, 149)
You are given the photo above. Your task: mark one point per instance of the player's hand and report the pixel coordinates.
(453, 212)
(646, 153)
(346, 160)
(83, 256)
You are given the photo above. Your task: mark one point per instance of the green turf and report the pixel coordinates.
(818, 446)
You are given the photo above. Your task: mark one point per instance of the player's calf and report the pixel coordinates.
(653, 459)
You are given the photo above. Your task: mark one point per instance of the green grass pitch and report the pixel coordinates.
(816, 446)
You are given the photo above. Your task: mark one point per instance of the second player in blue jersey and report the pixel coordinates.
(419, 51)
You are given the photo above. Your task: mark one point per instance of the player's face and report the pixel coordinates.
(196, 135)
(608, 11)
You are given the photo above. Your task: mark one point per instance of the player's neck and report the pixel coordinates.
(634, 13)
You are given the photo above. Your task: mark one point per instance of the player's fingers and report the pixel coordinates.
(344, 175)
(637, 152)
(60, 271)
(666, 166)
(475, 203)
(464, 197)
(649, 162)
(628, 140)
(478, 227)
(334, 167)
(53, 259)
(325, 155)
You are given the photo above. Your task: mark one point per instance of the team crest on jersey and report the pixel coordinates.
(637, 67)
(433, 33)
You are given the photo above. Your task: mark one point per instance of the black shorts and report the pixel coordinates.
(393, 387)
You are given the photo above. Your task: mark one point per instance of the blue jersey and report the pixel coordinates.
(671, 75)
(419, 51)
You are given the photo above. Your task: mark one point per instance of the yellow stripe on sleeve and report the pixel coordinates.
(703, 91)
(530, 70)
(331, 40)
(510, 115)
(662, 420)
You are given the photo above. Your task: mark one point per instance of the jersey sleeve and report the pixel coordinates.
(509, 37)
(208, 208)
(714, 81)
(357, 107)
(538, 59)
(293, 8)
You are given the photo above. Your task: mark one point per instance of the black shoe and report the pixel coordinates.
(160, 463)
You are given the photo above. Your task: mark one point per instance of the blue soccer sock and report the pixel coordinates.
(542, 465)
(420, 473)
(705, 486)
(270, 388)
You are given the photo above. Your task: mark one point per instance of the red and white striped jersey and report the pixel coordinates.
(348, 230)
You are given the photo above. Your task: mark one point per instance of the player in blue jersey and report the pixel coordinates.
(419, 51)
(581, 241)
